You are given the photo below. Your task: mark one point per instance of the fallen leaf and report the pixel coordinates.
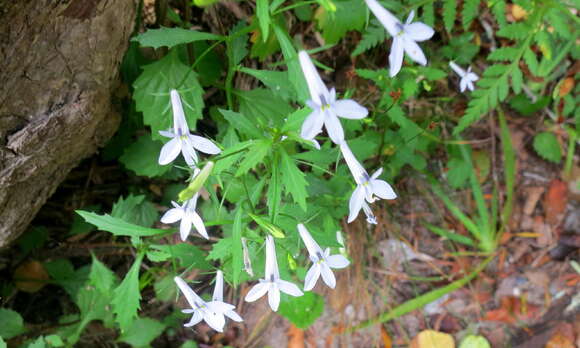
(559, 341)
(555, 201)
(566, 86)
(433, 339)
(387, 341)
(30, 276)
(518, 12)
(543, 231)
(473, 341)
(533, 195)
(295, 337)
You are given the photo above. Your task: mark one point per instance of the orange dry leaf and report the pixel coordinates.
(30, 276)
(555, 201)
(295, 337)
(387, 341)
(566, 86)
(518, 12)
(511, 311)
(432, 339)
(559, 341)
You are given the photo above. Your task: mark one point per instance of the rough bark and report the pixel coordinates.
(59, 66)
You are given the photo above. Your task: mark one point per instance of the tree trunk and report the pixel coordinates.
(59, 65)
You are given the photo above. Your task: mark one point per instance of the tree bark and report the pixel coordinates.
(59, 66)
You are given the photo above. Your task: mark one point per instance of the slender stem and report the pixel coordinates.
(295, 5)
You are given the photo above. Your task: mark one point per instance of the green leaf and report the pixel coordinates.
(2, 343)
(473, 341)
(101, 277)
(221, 250)
(302, 311)
(293, 179)
(254, 155)
(374, 35)
(268, 226)
(547, 146)
(449, 14)
(242, 124)
(277, 81)
(264, 106)
(141, 157)
(152, 93)
(524, 105)
(188, 254)
(458, 172)
(263, 13)
(38, 343)
(274, 193)
(349, 15)
(470, 11)
(294, 71)
(117, 226)
(170, 37)
(135, 209)
(237, 260)
(189, 344)
(11, 323)
(165, 288)
(54, 341)
(127, 295)
(142, 331)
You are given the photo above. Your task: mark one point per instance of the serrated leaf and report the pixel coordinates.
(142, 331)
(374, 35)
(277, 81)
(547, 146)
(470, 11)
(126, 296)
(101, 277)
(428, 16)
(254, 155)
(117, 226)
(293, 179)
(302, 311)
(152, 93)
(263, 13)
(188, 254)
(449, 14)
(517, 80)
(264, 106)
(170, 37)
(141, 157)
(349, 15)
(11, 323)
(294, 71)
(242, 123)
(136, 210)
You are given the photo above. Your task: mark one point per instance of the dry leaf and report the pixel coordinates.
(433, 339)
(295, 337)
(518, 12)
(555, 201)
(387, 341)
(559, 341)
(30, 276)
(566, 86)
(533, 195)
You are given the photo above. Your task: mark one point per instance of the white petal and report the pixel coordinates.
(167, 134)
(463, 84)
(189, 153)
(185, 226)
(198, 223)
(357, 170)
(172, 215)
(170, 151)
(382, 189)
(218, 290)
(312, 125)
(470, 86)
(219, 307)
(371, 219)
(234, 316)
(179, 123)
(188, 311)
(348, 108)
(337, 261)
(327, 275)
(414, 51)
(333, 127)
(385, 17)
(204, 145)
(355, 204)
(289, 288)
(377, 173)
(196, 318)
(271, 262)
(274, 297)
(396, 56)
(312, 277)
(311, 245)
(215, 320)
(257, 291)
(458, 70)
(419, 31)
(410, 18)
(189, 294)
(315, 85)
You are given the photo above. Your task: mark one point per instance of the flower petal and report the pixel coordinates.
(472, 76)
(414, 51)
(185, 226)
(348, 108)
(167, 134)
(311, 245)
(271, 262)
(257, 291)
(316, 87)
(189, 294)
(419, 31)
(195, 319)
(385, 17)
(172, 215)
(274, 297)
(357, 170)
(355, 204)
(312, 125)
(204, 145)
(470, 86)
(189, 153)
(234, 316)
(371, 219)
(215, 320)
(377, 173)
(396, 56)
(312, 277)
(333, 127)
(458, 70)
(327, 275)
(179, 123)
(219, 307)
(463, 84)
(337, 261)
(170, 151)
(382, 189)
(218, 290)
(289, 288)
(198, 223)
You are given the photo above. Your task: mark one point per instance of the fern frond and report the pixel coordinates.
(374, 35)
(428, 16)
(470, 10)
(498, 8)
(449, 14)
(503, 53)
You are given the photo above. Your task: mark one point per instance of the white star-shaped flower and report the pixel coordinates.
(218, 295)
(182, 141)
(467, 77)
(405, 36)
(322, 261)
(188, 216)
(325, 108)
(211, 312)
(368, 187)
(272, 284)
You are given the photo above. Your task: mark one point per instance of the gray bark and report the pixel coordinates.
(59, 63)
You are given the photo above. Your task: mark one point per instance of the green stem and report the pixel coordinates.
(293, 6)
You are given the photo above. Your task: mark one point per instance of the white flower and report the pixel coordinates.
(325, 108)
(218, 295)
(467, 77)
(405, 36)
(272, 284)
(322, 261)
(211, 312)
(188, 216)
(182, 140)
(367, 187)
